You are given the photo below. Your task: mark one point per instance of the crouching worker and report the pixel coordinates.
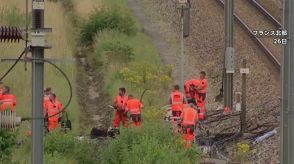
(134, 106)
(189, 119)
(7, 99)
(53, 109)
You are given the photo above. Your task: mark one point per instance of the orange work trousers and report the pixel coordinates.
(200, 99)
(53, 124)
(188, 136)
(137, 121)
(120, 116)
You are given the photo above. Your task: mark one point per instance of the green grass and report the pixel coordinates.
(156, 144)
(152, 143)
(20, 80)
(143, 49)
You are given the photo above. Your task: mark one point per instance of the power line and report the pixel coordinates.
(15, 63)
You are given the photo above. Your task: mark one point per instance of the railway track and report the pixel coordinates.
(244, 20)
(266, 13)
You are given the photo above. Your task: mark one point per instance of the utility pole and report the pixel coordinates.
(38, 45)
(184, 7)
(243, 71)
(229, 54)
(287, 113)
(182, 47)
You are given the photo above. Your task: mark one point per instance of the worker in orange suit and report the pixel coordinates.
(201, 94)
(202, 86)
(1, 90)
(47, 93)
(53, 109)
(119, 104)
(189, 92)
(193, 89)
(177, 100)
(134, 107)
(8, 100)
(189, 118)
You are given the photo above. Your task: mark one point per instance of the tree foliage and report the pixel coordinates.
(145, 75)
(140, 76)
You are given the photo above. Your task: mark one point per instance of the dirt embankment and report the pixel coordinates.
(92, 97)
(205, 47)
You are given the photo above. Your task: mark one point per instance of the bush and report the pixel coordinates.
(85, 153)
(112, 48)
(64, 145)
(107, 20)
(7, 141)
(59, 143)
(153, 143)
(140, 76)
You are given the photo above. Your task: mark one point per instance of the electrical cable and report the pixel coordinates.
(15, 63)
(69, 85)
(54, 65)
(143, 93)
(70, 89)
(27, 33)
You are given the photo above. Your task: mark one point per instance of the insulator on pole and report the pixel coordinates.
(10, 33)
(8, 120)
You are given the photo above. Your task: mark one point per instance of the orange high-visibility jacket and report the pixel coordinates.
(187, 88)
(134, 106)
(1, 92)
(177, 100)
(52, 109)
(120, 102)
(8, 101)
(195, 82)
(46, 101)
(189, 116)
(203, 85)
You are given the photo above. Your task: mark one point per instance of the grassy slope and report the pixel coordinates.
(143, 46)
(20, 81)
(60, 39)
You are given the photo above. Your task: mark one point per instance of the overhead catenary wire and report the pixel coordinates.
(27, 29)
(14, 64)
(54, 65)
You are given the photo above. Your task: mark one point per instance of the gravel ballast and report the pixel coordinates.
(205, 51)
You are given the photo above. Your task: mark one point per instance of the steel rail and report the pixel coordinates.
(268, 53)
(266, 13)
